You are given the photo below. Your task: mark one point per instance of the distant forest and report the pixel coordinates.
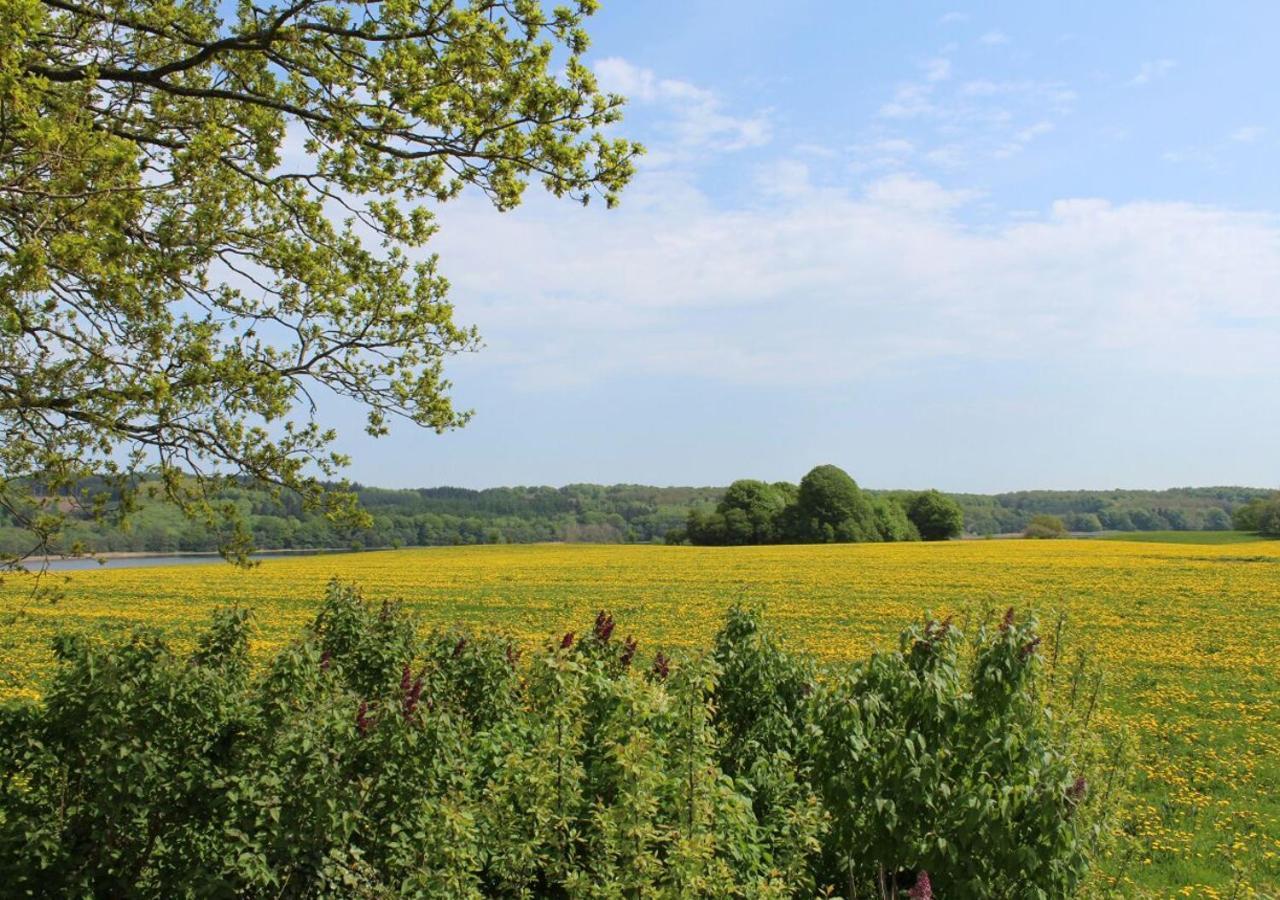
(600, 513)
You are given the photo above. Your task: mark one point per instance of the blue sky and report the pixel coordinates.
(979, 248)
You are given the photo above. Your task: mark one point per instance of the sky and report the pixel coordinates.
(980, 248)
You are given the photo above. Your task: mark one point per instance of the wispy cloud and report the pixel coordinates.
(994, 38)
(828, 287)
(697, 121)
(937, 69)
(966, 121)
(1023, 137)
(1152, 71)
(953, 18)
(1215, 154)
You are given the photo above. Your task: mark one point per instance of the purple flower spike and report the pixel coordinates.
(661, 666)
(628, 651)
(604, 627)
(922, 890)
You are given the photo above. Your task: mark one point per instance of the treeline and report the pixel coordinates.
(629, 513)
(440, 516)
(1177, 509)
(826, 507)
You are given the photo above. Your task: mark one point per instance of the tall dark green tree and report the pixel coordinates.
(209, 215)
(831, 507)
(936, 516)
(759, 504)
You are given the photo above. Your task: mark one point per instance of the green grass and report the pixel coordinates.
(1186, 537)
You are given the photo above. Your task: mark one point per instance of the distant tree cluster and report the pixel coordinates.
(1262, 516)
(826, 507)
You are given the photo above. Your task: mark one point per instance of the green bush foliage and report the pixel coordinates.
(1044, 527)
(367, 761)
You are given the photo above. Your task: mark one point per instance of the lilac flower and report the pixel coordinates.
(604, 627)
(411, 698)
(567, 641)
(363, 724)
(628, 651)
(923, 889)
(661, 666)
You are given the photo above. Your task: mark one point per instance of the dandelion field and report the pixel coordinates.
(1188, 637)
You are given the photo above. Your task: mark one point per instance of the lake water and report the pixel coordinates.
(159, 559)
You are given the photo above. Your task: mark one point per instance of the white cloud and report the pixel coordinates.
(1152, 71)
(1023, 137)
(820, 150)
(953, 18)
(1215, 155)
(970, 121)
(819, 286)
(910, 101)
(938, 69)
(784, 178)
(994, 38)
(698, 120)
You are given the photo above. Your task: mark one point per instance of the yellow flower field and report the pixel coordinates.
(1189, 637)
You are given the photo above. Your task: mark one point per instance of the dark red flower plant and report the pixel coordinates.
(661, 666)
(604, 627)
(922, 889)
(628, 651)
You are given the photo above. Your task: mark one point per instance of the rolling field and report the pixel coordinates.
(1189, 636)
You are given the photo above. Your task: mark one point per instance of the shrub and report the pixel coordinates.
(1045, 526)
(365, 760)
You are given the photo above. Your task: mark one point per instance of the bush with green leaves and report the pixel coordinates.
(1045, 527)
(367, 760)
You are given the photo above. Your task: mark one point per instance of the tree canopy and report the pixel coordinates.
(1261, 515)
(831, 507)
(936, 516)
(209, 218)
(826, 507)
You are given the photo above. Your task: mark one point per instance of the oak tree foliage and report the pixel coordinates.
(210, 217)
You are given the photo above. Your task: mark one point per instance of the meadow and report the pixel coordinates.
(1187, 537)
(1187, 636)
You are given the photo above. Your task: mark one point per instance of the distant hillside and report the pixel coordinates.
(1176, 509)
(605, 513)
